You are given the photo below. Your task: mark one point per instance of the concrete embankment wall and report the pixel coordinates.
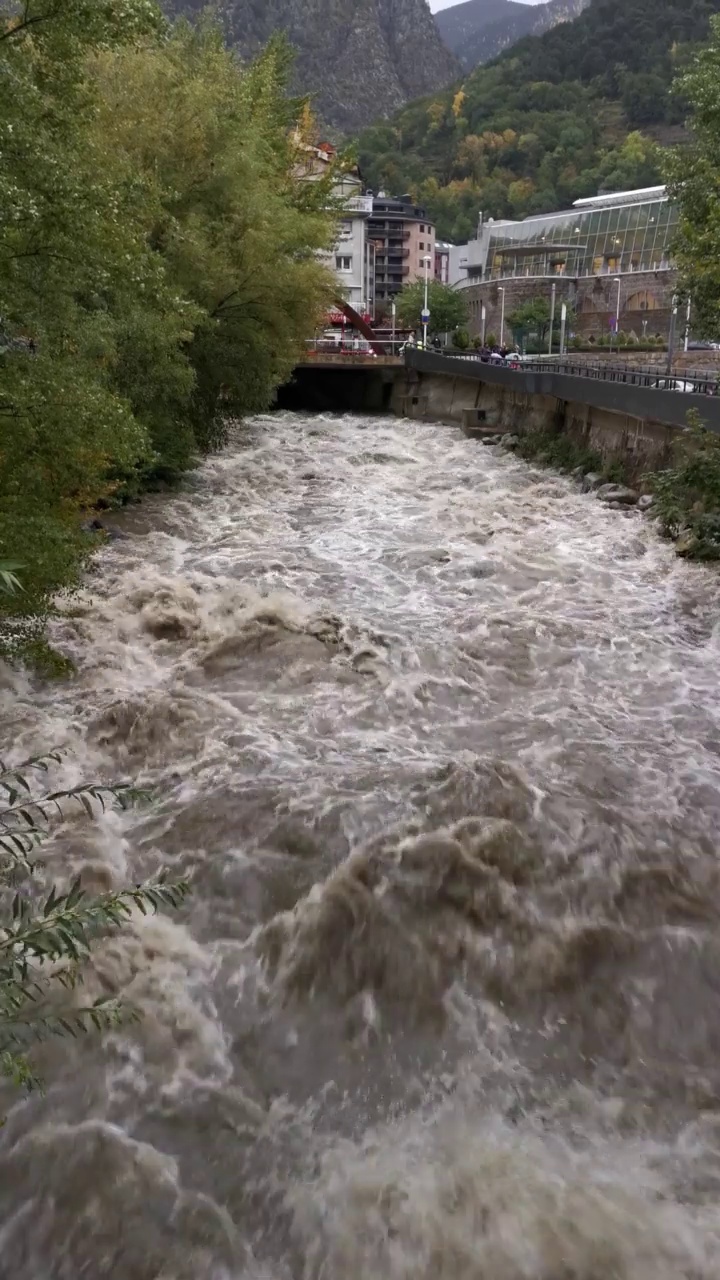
(634, 425)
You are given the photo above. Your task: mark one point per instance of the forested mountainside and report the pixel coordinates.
(360, 60)
(478, 30)
(557, 117)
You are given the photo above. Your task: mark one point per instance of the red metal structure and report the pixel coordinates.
(358, 322)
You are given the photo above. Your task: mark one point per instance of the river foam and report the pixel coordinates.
(437, 739)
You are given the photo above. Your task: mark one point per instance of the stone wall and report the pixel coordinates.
(645, 301)
(640, 444)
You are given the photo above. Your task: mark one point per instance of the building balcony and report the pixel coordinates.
(359, 204)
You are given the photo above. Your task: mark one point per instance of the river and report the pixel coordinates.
(437, 739)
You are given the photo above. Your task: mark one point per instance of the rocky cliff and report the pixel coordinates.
(360, 59)
(478, 30)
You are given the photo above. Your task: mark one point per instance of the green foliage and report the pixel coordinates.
(448, 307)
(687, 495)
(158, 265)
(47, 934)
(558, 450)
(557, 117)
(461, 339)
(694, 184)
(532, 319)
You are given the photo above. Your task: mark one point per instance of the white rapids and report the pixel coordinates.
(436, 738)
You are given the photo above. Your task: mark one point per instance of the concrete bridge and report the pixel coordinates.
(343, 382)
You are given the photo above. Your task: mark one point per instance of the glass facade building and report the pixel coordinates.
(606, 235)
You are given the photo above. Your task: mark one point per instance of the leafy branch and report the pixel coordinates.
(45, 944)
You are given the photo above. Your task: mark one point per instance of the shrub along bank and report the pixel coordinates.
(158, 264)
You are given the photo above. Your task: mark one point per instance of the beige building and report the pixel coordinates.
(401, 237)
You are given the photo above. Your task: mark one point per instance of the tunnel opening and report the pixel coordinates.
(338, 390)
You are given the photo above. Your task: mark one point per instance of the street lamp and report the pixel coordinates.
(687, 325)
(483, 322)
(501, 291)
(552, 318)
(618, 282)
(427, 260)
(394, 314)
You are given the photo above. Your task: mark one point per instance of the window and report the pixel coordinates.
(346, 227)
(343, 262)
(422, 244)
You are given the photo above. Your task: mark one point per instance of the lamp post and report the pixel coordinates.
(671, 335)
(552, 317)
(618, 282)
(501, 291)
(563, 323)
(427, 260)
(687, 325)
(483, 322)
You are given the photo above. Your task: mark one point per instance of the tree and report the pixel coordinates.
(46, 934)
(530, 319)
(448, 307)
(158, 265)
(694, 186)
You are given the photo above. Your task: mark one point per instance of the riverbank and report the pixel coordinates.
(646, 441)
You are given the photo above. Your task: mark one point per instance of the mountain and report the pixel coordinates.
(360, 60)
(556, 117)
(478, 30)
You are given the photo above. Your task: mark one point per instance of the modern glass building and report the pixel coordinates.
(607, 235)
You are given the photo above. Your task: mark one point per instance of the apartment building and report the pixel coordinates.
(401, 237)
(350, 257)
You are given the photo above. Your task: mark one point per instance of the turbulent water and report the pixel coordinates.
(436, 738)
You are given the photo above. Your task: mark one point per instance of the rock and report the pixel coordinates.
(360, 60)
(577, 473)
(480, 431)
(483, 569)
(687, 543)
(509, 441)
(645, 501)
(591, 481)
(98, 526)
(617, 493)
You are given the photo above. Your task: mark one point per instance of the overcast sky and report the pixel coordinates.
(445, 4)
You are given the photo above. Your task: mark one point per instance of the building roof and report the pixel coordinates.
(640, 196)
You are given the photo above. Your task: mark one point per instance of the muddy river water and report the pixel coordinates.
(436, 738)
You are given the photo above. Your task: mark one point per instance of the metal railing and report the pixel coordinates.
(700, 383)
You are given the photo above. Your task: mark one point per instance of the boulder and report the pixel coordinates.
(577, 473)
(509, 441)
(592, 480)
(99, 526)
(687, 543)
(645, 501)
(618, 493)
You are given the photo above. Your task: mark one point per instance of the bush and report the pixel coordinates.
(491, 340)
(556, 449)
(687, 495)
(461, 339)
